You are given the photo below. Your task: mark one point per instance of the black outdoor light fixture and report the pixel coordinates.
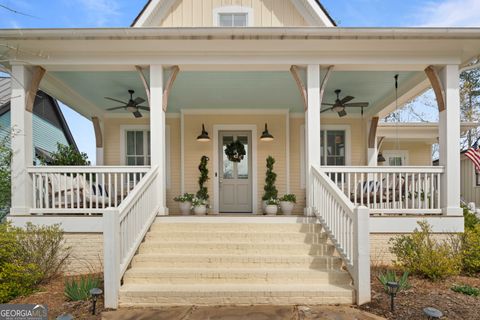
(432, 313)
(95, 293)
(203, 137)
(392, 291)
(380, 158)
(266, 136)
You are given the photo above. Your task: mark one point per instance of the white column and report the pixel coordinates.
(99, 153)
(312, 127)
(157, 131)
(449, 140)
(372, 153)
(22, 145)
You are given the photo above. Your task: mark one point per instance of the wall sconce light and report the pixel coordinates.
(266, 136)
(203, 137)
(380, 158)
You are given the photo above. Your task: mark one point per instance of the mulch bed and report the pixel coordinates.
(409, 304)
(52, 295)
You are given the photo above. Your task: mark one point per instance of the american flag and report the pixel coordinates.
(474, 154)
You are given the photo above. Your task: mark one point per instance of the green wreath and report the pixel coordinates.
(235, 151)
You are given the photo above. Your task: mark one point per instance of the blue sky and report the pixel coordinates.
(120, 13)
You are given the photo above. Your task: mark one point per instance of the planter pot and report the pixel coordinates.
(264, 205)
(271, 210)
(287, 207)
(200, 210)
(185, 208)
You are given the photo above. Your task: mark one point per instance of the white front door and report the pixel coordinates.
(235, 178)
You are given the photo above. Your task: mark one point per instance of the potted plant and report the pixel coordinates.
(287, 202)
(271, 191)
(199, 206)
(185, 203)
(271, 207)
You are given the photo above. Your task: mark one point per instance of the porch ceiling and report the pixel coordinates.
(233, 89)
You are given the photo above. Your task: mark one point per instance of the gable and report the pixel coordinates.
(205, 13)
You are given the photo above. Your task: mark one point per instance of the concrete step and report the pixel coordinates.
(151, 295)
(237, 236)
(235, 248)
(237, 227)
(245, 276)
(235, 261)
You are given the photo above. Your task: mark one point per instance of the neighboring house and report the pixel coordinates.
(245, 72)
(49, 127)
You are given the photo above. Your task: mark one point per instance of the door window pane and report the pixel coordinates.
(242, 166)
(228, 166)
(395, 161)
(335, 151)
(240, 20)
(232, 19)
(137, 142)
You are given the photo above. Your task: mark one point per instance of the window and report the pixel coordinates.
(395, 157)
(477, 179)
(332, 147)
(137, 146)
(232, 19)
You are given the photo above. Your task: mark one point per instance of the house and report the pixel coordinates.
(187, 79)
(49, 127)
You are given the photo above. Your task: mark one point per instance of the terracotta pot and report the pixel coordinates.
(287, 207)
(200, 210)
(271, 209)
(185, 207)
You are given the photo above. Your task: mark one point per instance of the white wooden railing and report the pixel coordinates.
(82, 189)
(124, 229)
(390, 190)
(347, 226)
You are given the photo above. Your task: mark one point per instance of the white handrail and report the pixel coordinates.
(124, 230)
(347, 227)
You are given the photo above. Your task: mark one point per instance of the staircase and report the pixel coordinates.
(217, 263)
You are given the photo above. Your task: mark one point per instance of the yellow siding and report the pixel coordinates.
(419, 153)
(266, 13)
(175, 165)
(468, 190)
(295, 164)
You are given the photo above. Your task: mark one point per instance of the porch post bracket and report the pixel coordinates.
(144, 82)
(323, 86)
(31, 91)
(437, 87)
(168, 87)
(98, 132)
(294, 70)
(380, 142)
(373, 132)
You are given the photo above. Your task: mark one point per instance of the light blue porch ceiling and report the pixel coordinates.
(233, 90)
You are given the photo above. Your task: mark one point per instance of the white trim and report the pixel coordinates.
(312, 13)
(234, 111)
(235, 127)
(397, 153)
(302, 157)
(348, 139)
(123, 129)
(233, 9)
(287, 153)
(182, 153)
(155, 9)
(168, 154)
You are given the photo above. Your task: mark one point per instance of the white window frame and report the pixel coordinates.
(348, 139)
(396, 153)
(232, 10)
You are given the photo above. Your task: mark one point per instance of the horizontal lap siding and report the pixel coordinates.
(468, 190)
(295, 164)
(419, 153)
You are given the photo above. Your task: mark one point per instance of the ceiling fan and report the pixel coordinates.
(340, 105)
(133, 105)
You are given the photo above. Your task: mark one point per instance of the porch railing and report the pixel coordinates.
(347, 226)
(124, 229)
(390, 190)
(82, 189)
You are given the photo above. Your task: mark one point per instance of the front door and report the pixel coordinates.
(235, 178)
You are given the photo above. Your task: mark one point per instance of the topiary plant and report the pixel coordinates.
(66, 156)
(271, 191)
(202, 192)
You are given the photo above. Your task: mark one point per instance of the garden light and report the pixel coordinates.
(95, 293)
(392, 291)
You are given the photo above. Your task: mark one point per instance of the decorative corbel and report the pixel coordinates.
(37, 75)
(98, 132)
(294, 70)
(168, 87)
(144, 82)
(325, 81)
(373, 132)
(437, 87)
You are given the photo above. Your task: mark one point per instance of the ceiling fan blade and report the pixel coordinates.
(143, 108)
(357, 105)
(342, 113)
(138, 100)
(327, 104)
(115, 108)
(325, 110)
(116, 100)
(137, 114)
(346, 99)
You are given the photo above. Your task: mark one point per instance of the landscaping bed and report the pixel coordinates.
(423, 293)
(52, 295)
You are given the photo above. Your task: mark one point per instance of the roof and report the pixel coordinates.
(5, 94)
(316, 1)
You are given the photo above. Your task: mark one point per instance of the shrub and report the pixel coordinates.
(421, 254)
(289, 197)
(202, 192)
(391, 276)
(467, 290)
(471, 250)
(17, 279)
(66, 156)
(186, 197)
(79, 288)
(471, 219)
(271, 191)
